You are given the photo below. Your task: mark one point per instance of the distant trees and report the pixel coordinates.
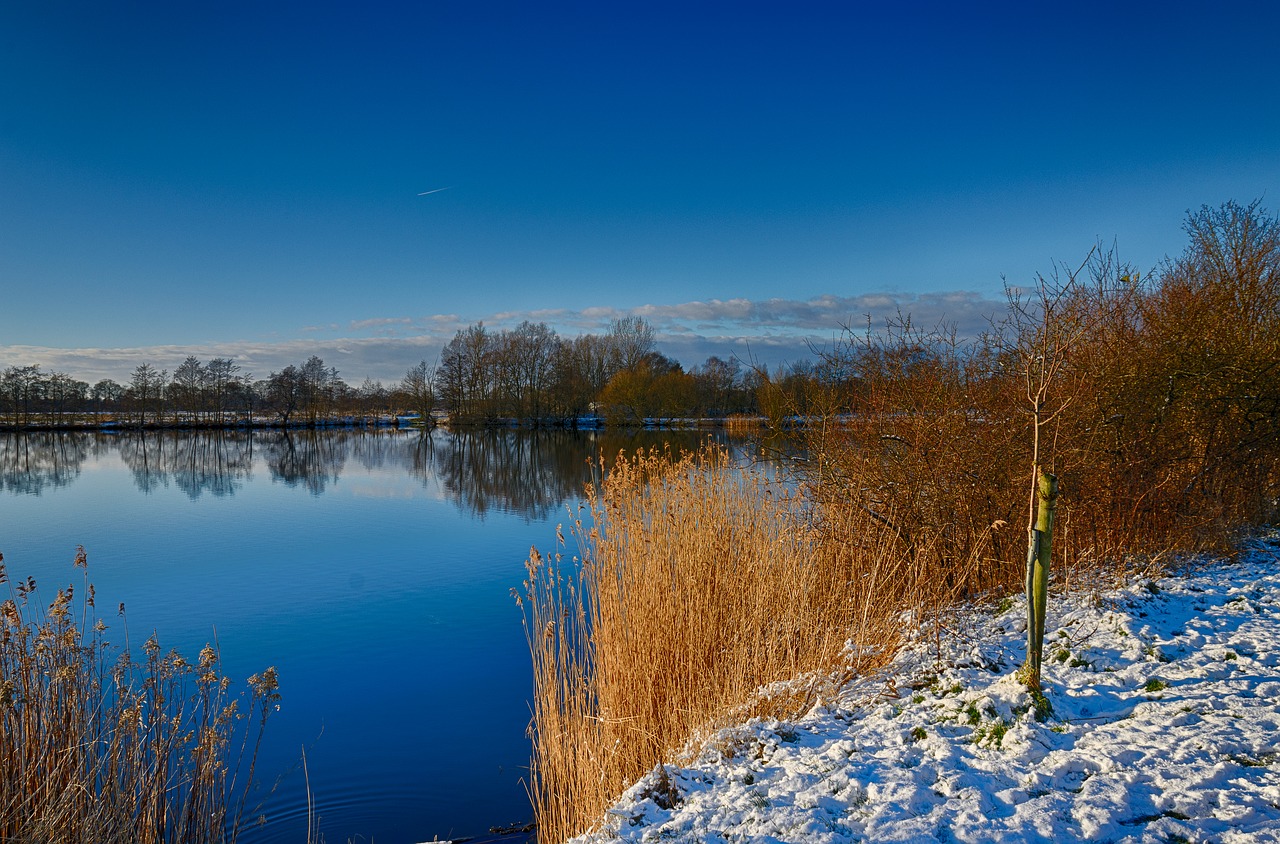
(221, 385)
(630, 339)
(63, 395)
(203, 391)
(106, 394)
(29, 396)
(531, 373)
(186, 390)
(528, 373)
(21, 388)
(655, 386)
(314, 393)
(464, 378)
(321, 388)
(528, 355)
(583, 367)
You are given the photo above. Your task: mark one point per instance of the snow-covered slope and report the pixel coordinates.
(1165, 728)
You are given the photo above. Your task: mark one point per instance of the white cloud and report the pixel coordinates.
(380, 323)
(766, 331)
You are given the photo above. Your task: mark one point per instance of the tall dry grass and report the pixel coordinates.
(104, 749)
(743, 423)
(701, 591)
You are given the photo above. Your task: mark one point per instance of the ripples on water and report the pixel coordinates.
(373, 568)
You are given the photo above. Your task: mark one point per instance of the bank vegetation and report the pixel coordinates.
(102, 744)
(695, 594)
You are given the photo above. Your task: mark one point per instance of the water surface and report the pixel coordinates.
(373, 569)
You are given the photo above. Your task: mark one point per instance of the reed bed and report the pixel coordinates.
(103, 749)
(744, 423)
(701, 591)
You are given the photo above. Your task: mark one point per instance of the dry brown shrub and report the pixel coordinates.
(928, 445)
(1158, 400)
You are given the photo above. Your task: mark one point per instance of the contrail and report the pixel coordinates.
(437, 190)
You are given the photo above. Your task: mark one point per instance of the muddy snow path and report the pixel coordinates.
(1165, 727)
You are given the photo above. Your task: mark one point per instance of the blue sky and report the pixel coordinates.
(243, 179)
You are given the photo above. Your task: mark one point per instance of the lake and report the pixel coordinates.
(373, 568)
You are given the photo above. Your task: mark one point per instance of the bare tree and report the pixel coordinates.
(632, 338)
(717, 379)
(464, 379)
(286, 392)
(531, 356)
(220, 381)
(62, 394)
(106, 392)
(186, 391)
(1047, 329)
(21, 387)
(319, 385)
(419, 385)
(146, 392)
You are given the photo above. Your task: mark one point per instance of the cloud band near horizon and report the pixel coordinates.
(769, 332)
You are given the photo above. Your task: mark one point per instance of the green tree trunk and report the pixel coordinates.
(1038, 546)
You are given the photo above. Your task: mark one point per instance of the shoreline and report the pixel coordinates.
(382, 421)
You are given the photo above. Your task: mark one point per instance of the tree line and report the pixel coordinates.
(528, 374)
(533, 375)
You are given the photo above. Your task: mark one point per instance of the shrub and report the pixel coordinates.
(1160, 413)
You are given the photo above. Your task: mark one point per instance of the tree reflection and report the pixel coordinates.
(216, 461)
(307, 458)
(31, 463)
(528, 473)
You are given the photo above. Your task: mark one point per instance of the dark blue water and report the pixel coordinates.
(373, 569)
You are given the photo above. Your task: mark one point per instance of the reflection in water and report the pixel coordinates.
(30, 463)
(525, 472)
(529, 473)
(311, 459)
(216, 462)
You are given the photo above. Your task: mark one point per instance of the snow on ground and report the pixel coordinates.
(1165, 728)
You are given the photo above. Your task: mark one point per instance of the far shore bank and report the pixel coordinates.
(589, 423)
